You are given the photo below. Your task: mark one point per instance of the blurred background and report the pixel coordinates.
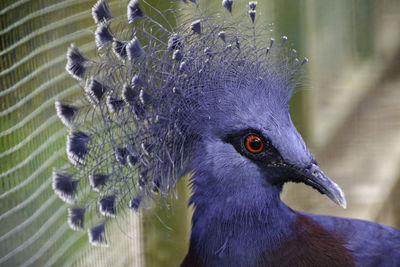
(347, 109)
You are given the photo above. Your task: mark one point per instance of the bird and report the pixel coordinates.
(209, 98)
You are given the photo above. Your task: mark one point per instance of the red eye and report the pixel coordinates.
(254, 144)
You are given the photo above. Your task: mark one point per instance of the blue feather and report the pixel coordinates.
(103, 36)
(98, 180)
(134, 12)
(76, 63)
(97, 235)
(107, 206)
(65, 186)
(101, 11)
(76, 218)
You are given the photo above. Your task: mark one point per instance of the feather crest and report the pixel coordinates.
(146, 115)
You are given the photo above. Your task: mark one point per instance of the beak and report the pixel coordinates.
(314, 176)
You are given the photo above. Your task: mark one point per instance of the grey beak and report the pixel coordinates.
(315, 177)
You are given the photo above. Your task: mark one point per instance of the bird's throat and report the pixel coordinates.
(236, 231)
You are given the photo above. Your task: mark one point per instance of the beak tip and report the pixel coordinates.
(315, 177)
(340, 198)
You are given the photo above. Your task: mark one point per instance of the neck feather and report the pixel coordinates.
(236, 228)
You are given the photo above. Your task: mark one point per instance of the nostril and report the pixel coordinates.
(313, 169)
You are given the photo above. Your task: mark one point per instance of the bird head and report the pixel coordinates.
(210, 96)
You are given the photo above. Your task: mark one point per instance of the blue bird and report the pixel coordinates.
(210, 98)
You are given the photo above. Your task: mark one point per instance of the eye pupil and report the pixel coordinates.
(254, 144)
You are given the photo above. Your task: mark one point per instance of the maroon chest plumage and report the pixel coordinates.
(312, 246)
